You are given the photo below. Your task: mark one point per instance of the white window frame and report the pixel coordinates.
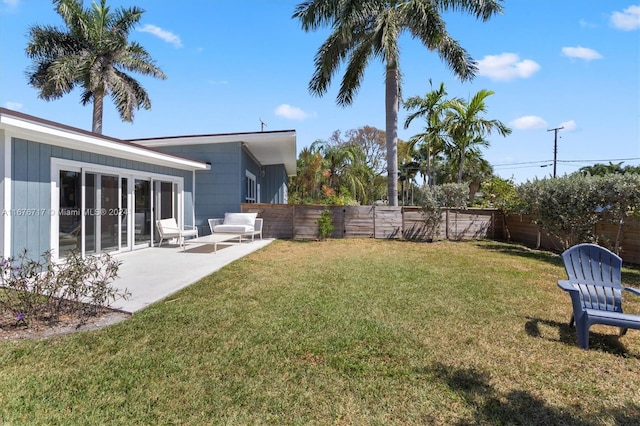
(252, 188)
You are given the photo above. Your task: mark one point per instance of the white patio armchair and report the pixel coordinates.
(168, 228)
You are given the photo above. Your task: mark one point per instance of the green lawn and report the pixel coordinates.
(349, 331)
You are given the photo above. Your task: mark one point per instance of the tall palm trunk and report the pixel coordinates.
(98, 104)
(461, 169)
(391, 112)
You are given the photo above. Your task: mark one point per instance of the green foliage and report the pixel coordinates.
(430, 209)
(455, 195)
(499, 193)
(620, 194)
(600, 169)
(566, 208)
(467, 129)
(37, 289)
(569, 207)
(339, 172)
(620, 197)
(325, 224)
(432, 199)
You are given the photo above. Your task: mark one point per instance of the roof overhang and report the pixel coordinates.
(268, 148)
(38, 130)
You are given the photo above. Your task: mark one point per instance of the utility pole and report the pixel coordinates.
(555, 147)
(262, 125)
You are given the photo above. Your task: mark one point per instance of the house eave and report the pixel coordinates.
(269, 148)
(27, 127)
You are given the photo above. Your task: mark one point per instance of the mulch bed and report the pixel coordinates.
(11, 329)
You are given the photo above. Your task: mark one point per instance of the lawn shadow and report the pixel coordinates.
(608, 343)
(630, 273)
(517, 406)
(523, 251)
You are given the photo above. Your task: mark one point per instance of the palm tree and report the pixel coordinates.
(343, 168)
(600, 169)
(305, 185)
(93, 53)
(362, 29)
(467, 128)
(432, 108)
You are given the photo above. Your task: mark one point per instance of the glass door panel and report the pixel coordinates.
(91, 213)
(109, 213)
(124, 214)
(166, 201)
(70, 217)
(142, 215)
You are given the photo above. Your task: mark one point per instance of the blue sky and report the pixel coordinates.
(232, 63)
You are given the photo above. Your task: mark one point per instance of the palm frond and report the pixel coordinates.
(481, 9)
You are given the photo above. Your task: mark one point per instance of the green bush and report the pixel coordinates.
(325, 224)
(569, 207)
(39, 289)
(430, 210)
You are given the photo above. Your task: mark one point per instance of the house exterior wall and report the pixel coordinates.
(216, 189)
(31, 188)
(223, 188)
(274, 185)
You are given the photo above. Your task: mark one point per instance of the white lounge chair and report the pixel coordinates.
(168, 228)
(244, 224)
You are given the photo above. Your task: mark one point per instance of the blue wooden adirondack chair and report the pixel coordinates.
(595, 287)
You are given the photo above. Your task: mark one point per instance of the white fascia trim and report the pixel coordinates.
(65, 138)
(214, 139)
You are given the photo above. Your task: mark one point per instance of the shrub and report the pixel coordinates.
(455, 195)
(325, 224)
(430, 210)
(566, 208)
(38, 289)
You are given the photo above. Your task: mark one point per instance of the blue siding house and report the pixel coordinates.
(245, 168)
(66, 189)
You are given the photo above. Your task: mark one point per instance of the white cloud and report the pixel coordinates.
(569, 125)
(13, 105)
(528, 122)
(165, 35)
(506, 66)
(11, 3)
(627, 20)
(581, 53)
(291, 112)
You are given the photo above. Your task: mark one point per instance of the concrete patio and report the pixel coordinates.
(154, 273)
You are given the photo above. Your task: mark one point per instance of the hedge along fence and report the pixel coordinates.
(383, 222)
(521, 229)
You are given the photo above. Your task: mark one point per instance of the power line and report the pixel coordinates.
(590, 161)
(545, 162)
(519, 164)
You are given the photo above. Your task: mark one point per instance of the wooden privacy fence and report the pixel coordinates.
(301, 222)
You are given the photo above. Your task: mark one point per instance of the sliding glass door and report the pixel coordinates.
(107, 210)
